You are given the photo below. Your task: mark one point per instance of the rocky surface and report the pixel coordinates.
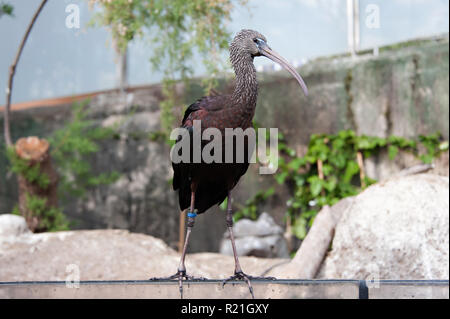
(398, 229)
(104, 255)
(12, 226)
(309, 257)
(260, 238)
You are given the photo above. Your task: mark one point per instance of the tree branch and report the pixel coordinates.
(12, 71)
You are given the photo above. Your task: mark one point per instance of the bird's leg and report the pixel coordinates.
(229, 219)
(238, 273)
(181, 272)
(190, 223)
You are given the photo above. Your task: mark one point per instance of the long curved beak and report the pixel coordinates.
(265, 50)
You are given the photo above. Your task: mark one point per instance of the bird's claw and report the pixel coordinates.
(180, 275)
(240, 275)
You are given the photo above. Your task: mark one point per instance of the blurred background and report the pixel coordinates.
(61, 61)
(103, 83)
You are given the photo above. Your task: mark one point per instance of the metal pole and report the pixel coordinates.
(353, 26)
(356, 24)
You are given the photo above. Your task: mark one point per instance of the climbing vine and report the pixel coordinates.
(331, 170)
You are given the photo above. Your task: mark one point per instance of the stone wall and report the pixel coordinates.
(403, 91)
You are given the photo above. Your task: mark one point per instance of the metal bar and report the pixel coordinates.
(212, 288)
(431, 282)
(363, 290)
(353, 26)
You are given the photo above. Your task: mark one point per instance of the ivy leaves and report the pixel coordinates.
(337, 154)
(329, 170)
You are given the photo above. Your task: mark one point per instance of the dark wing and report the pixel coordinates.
(196, 111)
(209, 110)
(191, 109)
(204, 106)
(177, 167)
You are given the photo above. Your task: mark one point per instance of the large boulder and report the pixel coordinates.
(398, 229)
(103, 255)
(260, 238)
(12, 226)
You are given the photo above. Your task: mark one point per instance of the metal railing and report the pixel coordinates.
(206, 289)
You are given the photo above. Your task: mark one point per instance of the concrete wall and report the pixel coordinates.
(403, 91)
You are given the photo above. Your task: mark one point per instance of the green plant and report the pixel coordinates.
(32, 173)
(6, 9)
(72, 148)
(252, 205)
(50, 218)
(329, 171)
(16, 210)
(433, 147)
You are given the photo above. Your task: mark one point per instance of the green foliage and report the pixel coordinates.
(32, 173)
(252, 205)
(340, 169)
(177, 31)
(50, 218)
(156, 136)
(16, 210)
(6, 9)
(433, 147)
(71, 149)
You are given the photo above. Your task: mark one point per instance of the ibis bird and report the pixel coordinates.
(201, 185)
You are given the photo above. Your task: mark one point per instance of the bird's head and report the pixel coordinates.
(250, 43)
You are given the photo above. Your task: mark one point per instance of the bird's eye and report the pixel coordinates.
(258, 41)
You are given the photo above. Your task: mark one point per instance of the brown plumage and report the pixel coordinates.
(213, 180)
(203, 185)
(221, 111)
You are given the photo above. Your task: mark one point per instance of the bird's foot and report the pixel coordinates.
(240, 275)
(180, 275)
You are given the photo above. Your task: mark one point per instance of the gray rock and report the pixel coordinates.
(398, 229)
(260, 238)
(263, 226)
(109, 255)
(12, 225)
(268, 246)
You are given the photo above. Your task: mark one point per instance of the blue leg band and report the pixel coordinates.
(192, 215)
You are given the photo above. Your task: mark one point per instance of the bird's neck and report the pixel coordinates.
(246, 89)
